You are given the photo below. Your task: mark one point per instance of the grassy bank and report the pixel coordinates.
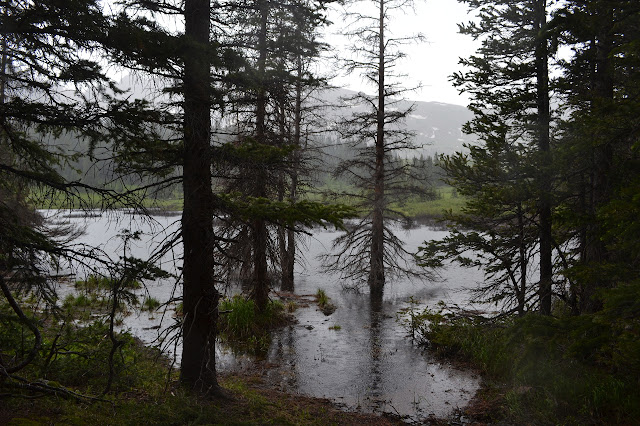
(571, 370)
(447, 199)
(84, 200)
(160, 400)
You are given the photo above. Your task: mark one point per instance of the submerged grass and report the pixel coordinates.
(322, 298)
(544, 370)
(150, 304)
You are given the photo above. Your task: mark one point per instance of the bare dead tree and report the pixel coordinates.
(370, 251)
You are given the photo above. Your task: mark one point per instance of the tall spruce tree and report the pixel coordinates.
(600, 149)
(508, 80)
(199, 293)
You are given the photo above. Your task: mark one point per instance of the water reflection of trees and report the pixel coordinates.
(376, 368)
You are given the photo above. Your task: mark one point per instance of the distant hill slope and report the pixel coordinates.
(438, 126)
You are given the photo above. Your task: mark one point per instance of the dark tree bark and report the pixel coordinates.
(289, 260)
(544, 146)
(376, 273)
(595, 252)
(260, 277)
(200, 297)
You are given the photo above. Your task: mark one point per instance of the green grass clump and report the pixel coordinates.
(322, 298)
(96, 283)
(150, 304)
(291, 306)
(324, 303)
(243, 326)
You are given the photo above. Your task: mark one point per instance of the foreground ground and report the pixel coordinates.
(247, 401)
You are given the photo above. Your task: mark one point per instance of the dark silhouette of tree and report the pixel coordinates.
(599, 155)
(520, 180)
(54, 84)
(199, 294)
(509, 178)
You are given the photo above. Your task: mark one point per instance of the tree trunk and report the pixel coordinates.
(288, 269)
(260, 235)
(200, 297)
(521, 291)
(376, 273)
(544, 119)
(602, 154)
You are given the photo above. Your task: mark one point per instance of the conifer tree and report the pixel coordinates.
(600, 149)
(277, 38)
(508, 79)
(54, 84)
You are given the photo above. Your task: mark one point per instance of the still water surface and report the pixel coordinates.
(368, 364)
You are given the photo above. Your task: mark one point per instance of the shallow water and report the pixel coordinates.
(370, 363)
(367, 364)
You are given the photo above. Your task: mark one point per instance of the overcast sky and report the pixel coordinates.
(432, 62)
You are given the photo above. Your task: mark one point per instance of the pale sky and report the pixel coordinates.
(429, 63)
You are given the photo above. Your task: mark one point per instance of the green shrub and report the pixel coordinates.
(245, 328)
(571, 370)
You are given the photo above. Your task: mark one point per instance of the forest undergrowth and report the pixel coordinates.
(559, 369)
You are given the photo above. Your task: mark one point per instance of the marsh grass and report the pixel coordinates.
(97, 283)
(93, 298)
(324, 302)
(150, 304)
(549, 370)
(243, 327)
(321, 298)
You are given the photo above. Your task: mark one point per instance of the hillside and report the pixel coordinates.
(438, 126)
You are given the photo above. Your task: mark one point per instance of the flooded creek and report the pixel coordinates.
(359, 357)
